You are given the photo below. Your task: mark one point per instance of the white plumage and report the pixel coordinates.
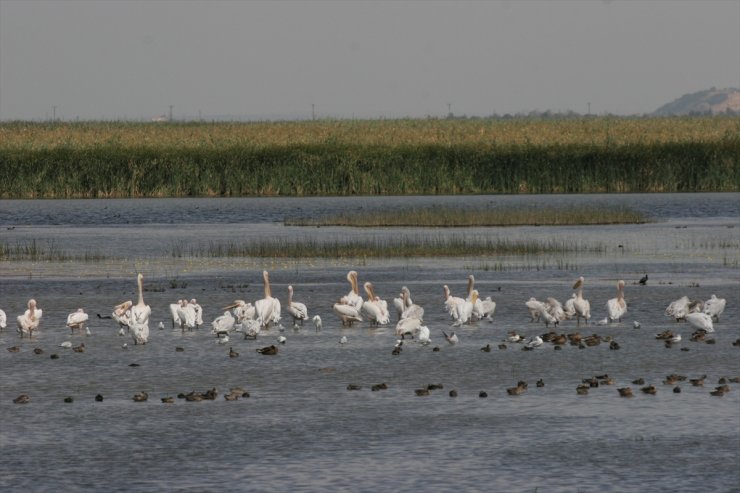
(582, 306)
(713, 307)
(700, 321)
(617, 307)
(317, 322)
(77, 319)
(140, 312)
(268, 308)
(678, 309)
(223, 325)
(297, 310)
(375, 308)
(29, 321)
(347, 313)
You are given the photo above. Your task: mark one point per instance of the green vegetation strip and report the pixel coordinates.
(460, 217)
(369, 158)
(34, 251)
(407, 246)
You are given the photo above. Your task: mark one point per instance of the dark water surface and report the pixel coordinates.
(301, 430)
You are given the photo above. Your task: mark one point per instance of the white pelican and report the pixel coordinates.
(713, 307)
(535, 307)
(399, 304)
(353, 297)
(617, 307)
(346, 312)
(376, 311)
(174, 307)
(3, 320)
(77, 319)
(451, 337)
(186, 315)
(678, 309)
(242, 311)
(424, 335)
(700, 321)
(545, 315)
(569, 309)
(581, 306)
(464, 310)
(486, 308)
(140, 313)
(122, 314)
(451, 302)
(29, 321)
(407, 326)
(268, 308)
(198, 313)
(317, 322)
(555, 309)
(223, 325)
(411, 310)
(296, 310)
(481, 308)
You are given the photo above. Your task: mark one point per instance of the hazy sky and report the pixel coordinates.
(109, 59)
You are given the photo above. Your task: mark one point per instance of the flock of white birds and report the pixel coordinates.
(251, 319)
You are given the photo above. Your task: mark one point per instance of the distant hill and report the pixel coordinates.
(711, 101)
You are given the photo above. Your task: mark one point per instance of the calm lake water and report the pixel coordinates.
(301, 429)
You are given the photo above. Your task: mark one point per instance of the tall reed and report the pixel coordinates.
(367, 158)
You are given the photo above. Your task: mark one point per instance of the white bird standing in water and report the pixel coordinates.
(122, 314)
(581, 305)
(374, 308)
(297, 310)
(242, 311)
(223, 325)
(423, 337)
(411, 310)
(3, 320)
(29, 321)
(713, 307)
(317, 322)
(77, 319)
(140, 313)
(268, 308)
(346, 312)
(353, 297)
(617, 307)
(451, 302)
(700, 321)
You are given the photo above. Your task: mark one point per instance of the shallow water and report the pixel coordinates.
(301, 429)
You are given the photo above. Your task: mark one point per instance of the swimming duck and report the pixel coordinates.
(268, 351)
(140, 397)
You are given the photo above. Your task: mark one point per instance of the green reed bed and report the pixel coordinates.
(407, 246)
(35, 251)
(461, 217)
(369, 158)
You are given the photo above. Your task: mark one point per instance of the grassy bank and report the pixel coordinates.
(459, 217)
(406, 246)
(369, 157)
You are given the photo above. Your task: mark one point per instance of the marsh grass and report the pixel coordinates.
(394, 157)
(407, 246)
(35, 251)
(461, 217)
